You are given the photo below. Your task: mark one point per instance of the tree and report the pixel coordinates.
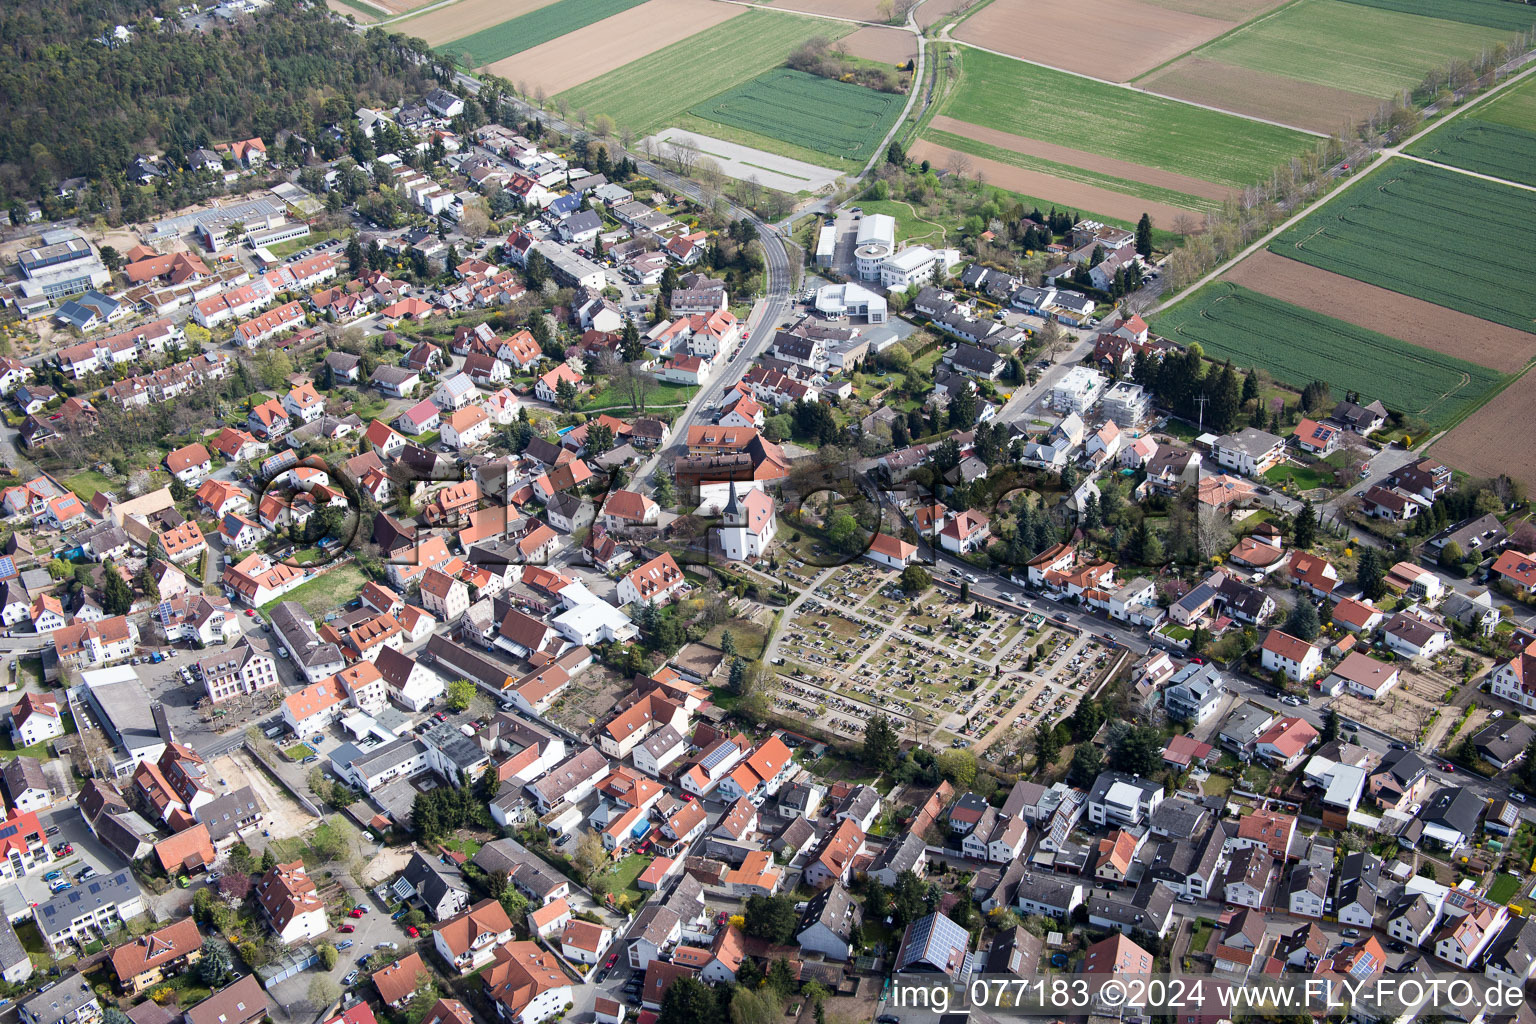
(1370, 574)
(215, 965)
(1330, 730)
(1087, 763)
(488, 784)
(881, 748)
(116, 595)
(323, 992)
(112, 1015)
(590, 857)
(180, 492)
(458, 694)
(1304, 526)
(915, 580)
(1085, 721)
(328, 955)
(908, 898)
(1451, 555)
(772, 918)
(1144, 236)
(1302, 622)
(1139, 752)
(235, 885)
(565, 394)
(514, 903)
(754, 1006)
(1047, 746)
(689, 1001)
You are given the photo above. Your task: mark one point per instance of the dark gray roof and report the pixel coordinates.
(1453, 807)
(1359, 881)
(1015, 952)
(225, 814)
(433, 880)
(98, 893)
(902, 855)
(59, 1002)
(1503, 741)
(12, 954)
(1178, 817)
(834, 908)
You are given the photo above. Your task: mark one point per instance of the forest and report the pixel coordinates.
(71, 106)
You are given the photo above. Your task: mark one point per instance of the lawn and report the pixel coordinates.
(1496, 138)
(1504, 888)
(750, 638)
(1071, 173)
(1301, 477)
(1493, 13)
(1391, 231)
(468, 847)
(1201, 936)
(325, 593)
(313, 239)
(37, 750)
(1349, 46)
(842, 120)
(624, 873)
(87, 483)
(298, 752)
(1053, 106)
(645, 94)
(529, 30)
(1299, 346)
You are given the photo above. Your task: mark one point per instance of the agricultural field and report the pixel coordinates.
(882, 45)
(1490, 441)
(650, 93)
(842, 120)
(1299, 346)
(1055, 107)
(1391, 231)
(1501, 14)
(1065, 189)
(1074, 164)
(1496, 138)
(1349, 46)
(460, 19)
(607, 45)
(1376, 309)
(526, 31)
(1319, 64)
(1130, 37)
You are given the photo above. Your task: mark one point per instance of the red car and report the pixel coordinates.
(412, 932)
(356, 912)
(612, 960)
(1448, 768)
(250, 613)
(347, 928)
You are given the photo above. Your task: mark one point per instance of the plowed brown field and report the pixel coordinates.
(1051, 189)
(1386, 312)
(1260, 94)
(446, 24)
(1078, 158)
(887, 45)
(857, 10)
(1111, 39)
(937, 10)
(599, 48)
(1496, 438)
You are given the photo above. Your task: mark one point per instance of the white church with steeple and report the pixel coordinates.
(750, 524)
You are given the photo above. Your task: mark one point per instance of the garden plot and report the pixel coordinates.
(1409, 710)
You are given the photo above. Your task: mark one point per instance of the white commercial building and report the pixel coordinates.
(1077, 391)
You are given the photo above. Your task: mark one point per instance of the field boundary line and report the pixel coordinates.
(1145, 92)
(749, 4)
(1468, 173)
(1508, 381)
(418, 12)
(1307, 210)
(1215, 39)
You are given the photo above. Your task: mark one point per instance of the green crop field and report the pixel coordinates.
(645, 94)
(1350, 46)
(1131, 188)
(1299, 346)
(836, 118)
(529, 30)
(1497, 137)
(1501, 14)
(1053, 106)
(1444, 237)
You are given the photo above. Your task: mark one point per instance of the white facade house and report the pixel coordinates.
(1077, 390)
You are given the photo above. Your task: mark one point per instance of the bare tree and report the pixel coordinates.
(958, 163)
(1213, 531)
(710, 174)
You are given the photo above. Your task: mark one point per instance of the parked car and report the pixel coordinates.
(53, 876)
(343, 945)
(351, 978)
(355, 912)
(386, 945)
(348, 929)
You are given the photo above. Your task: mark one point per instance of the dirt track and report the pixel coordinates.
(1495, 439)
(449, 23)
(1276, 97)
(888, 45)
(1386, 312)
(1087, 161)
(1051, 189)
(583, 55)
(857, 10)
(1112, 39)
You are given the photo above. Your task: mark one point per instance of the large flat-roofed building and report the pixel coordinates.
(133, 722)
(65, 265)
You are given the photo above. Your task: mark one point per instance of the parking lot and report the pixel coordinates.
(32, 889)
